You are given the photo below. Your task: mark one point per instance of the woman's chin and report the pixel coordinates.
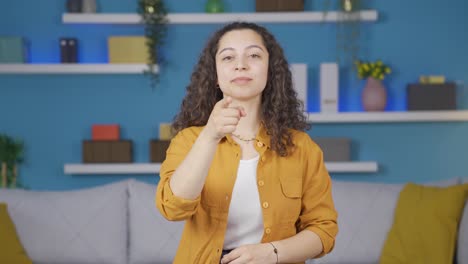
(244, 97)
(242, 93)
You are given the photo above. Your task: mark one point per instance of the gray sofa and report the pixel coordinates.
(365, 215)
(118, 224)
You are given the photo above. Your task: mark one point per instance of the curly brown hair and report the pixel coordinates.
(280, 108)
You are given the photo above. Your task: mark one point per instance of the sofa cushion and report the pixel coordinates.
(424, 215)
(365, 215)
(11, 249)
(462, 252)
(153, 239)
(77, 226)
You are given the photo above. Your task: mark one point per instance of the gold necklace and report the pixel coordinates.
(243, 139)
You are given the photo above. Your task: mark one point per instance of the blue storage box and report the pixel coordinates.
(12, 50)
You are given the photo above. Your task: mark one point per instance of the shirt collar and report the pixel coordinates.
(263, 136)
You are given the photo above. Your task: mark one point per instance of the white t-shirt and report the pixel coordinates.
(245, 220)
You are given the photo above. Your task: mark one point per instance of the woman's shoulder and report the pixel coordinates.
(299, 136)
(303, 140)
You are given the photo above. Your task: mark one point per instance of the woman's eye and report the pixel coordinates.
(255, 56)
(227, 58)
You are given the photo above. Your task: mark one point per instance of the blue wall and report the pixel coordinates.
(54, 113)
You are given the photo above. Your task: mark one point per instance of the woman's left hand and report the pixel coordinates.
(251, 254)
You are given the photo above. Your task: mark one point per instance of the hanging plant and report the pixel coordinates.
(348, 28)
(326, 9)
(154, 17)
(349, 31)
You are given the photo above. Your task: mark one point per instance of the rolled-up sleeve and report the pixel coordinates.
(172, 207)
(318, 213)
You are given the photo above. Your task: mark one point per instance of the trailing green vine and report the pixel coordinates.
(154, 17)
(348, 28)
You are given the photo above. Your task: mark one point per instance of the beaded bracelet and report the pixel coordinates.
(276, 251)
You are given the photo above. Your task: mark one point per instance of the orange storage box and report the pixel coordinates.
(105, 132)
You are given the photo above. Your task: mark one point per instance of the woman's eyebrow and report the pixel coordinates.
(221, 51)
(248, 47)
(254, 46)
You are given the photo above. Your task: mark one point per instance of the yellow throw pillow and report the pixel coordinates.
(11, 250)
(425, 226)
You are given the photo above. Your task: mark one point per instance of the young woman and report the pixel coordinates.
(250, 184)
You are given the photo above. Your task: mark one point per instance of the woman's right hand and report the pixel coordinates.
(223, 119)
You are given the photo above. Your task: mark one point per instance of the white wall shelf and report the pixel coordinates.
(352, 166)
(113, 168)
(381, 117)
(299, 73)
(153, 168)
(203, 18)
(72, 68)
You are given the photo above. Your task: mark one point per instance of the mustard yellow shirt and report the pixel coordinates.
(295, 194)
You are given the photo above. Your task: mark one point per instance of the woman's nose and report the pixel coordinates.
(241, 65)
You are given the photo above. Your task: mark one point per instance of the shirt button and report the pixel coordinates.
(259, 144)
(261, 183)
(227, 197)
(265, 205)
(267, 231)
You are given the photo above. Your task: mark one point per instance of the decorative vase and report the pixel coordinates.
(214, 6)
(73, 6)
(374, 95)
(89, 6)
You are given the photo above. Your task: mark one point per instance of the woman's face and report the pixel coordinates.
(242, 64)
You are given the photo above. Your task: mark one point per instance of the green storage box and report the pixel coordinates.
(12, 50)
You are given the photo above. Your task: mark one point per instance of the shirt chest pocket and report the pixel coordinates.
(291, 198)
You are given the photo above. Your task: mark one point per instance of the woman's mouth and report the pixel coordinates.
(241, 80)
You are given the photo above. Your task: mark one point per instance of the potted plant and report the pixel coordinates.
(214, 6)
(154, 17)
(377, 70)
(11, 154)
(374, 94)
